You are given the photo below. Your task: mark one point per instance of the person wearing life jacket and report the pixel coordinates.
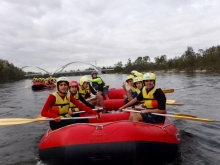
(129, 89)
(57, 105)
(73, 89)
(99, 84)
(85, 88)
(154, 101)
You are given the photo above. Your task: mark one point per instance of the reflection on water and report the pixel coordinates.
(198, 92)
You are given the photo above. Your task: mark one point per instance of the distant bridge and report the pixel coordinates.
(61, 72)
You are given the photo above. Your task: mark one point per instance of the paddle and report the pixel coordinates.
(26, 86)
(170, 101)
(85, 111)
(177, 116)
(168, 90)
(15, 121)
(171, 113)
(177, 104)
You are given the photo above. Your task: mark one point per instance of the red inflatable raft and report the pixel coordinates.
(111, 140)
(39, 85)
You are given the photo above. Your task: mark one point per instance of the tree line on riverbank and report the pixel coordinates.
(8, 72)
(189, 61)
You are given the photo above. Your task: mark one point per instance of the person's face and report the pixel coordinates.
(139, 84)
(149, 84)
(85, 85)
(94, 75)
(63, 87)
(130, 82)
(73, 89)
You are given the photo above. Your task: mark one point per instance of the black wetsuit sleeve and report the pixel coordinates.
(85, 102)
(161, 98)
(92, 90)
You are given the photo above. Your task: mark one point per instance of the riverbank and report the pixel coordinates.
(187, 71)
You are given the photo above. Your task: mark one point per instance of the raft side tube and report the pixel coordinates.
(116, 153)
(116, 93)
(113, 104)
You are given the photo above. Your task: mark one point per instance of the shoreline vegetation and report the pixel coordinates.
(189, 62)
(203, 61)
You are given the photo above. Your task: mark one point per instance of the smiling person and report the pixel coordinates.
(57, 105)
(154, 101)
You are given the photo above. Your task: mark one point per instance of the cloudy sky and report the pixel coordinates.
(52, 33)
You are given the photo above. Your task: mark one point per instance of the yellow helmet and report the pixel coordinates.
(149, 76)
(138, 74)
(133, 71)
(83, 79)
(137, 79)
(130, 77)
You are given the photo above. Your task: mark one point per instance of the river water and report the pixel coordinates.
(199, 92)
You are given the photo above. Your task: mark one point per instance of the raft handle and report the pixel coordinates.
(99, 127)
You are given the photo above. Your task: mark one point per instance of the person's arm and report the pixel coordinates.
(129, 103)
(95, 80)
(49, 104)
(82, 106)
(133, 101)
(85, 102)
(128, 94)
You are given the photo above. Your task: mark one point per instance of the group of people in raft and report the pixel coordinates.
(70, 97)
(48, 81)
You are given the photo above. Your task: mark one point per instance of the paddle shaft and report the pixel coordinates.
(85, 111)
(15, 121)
(69, 118)
(177, 104)
(171, 113)
(177, 116)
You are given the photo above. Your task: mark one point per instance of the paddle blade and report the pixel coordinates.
(183, 114)
(168, 90)
(15, 121)
(194, 118)
(170, 101)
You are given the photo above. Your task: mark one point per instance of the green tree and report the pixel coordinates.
(118, 67)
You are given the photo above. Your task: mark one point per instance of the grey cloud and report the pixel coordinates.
(52, 33)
